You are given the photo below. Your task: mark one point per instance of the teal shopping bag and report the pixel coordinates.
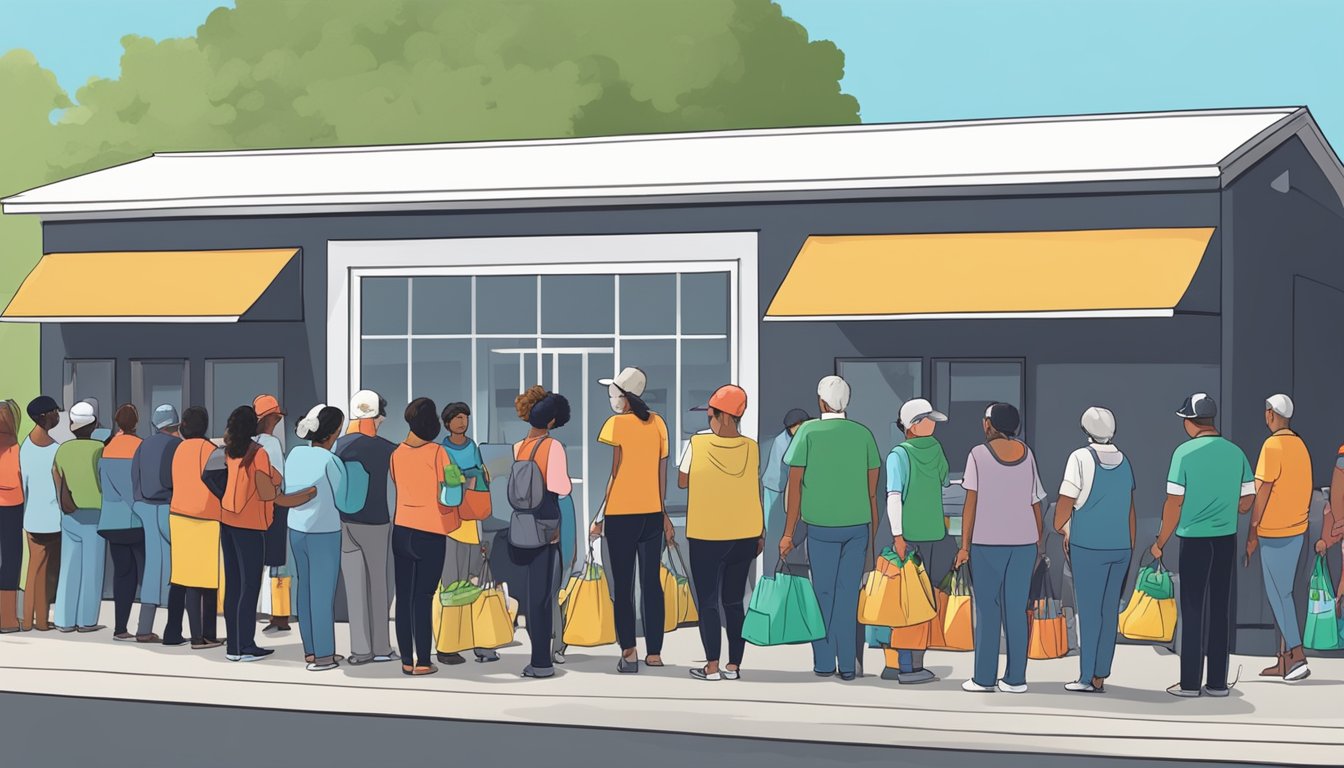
(1155, 582)
(1323, 625)
(783, 611)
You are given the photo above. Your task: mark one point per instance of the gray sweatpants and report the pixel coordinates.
(365, 553)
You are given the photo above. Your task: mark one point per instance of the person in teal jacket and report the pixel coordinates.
(916, 476)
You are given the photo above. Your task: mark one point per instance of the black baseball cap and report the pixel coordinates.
(1198, 406)
(1004, 418)
(41, 405)
(795, 417)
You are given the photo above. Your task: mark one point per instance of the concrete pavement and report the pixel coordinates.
(778, 698)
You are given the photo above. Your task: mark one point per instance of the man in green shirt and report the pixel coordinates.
(1209, 484)
(833, 474)
(79, 592)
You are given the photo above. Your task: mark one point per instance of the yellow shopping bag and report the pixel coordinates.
(896, 593)
(687, 613)
(590, 620)
(280, 597)
(1148, 618)
(490, 622)
(453, 628)
(671, 612)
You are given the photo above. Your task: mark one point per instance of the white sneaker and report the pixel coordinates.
(1006, 688)
(970, 686)
(1077, 687)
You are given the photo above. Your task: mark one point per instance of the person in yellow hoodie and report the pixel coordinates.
(725, 525)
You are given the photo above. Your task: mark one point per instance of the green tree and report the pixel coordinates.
(299, 73)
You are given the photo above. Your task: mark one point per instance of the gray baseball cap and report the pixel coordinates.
(165, 416)
(1198, 406)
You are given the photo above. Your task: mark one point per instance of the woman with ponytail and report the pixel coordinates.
(315, 531)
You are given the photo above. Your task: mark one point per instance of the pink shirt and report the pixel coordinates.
(554, 465)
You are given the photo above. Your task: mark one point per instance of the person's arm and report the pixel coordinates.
(1063, 511)
(1248, 487)
(1331, 529)
(1133, 521)
(793, 510)
(967, 528)
(1263, 490)
(874, 477)
(1171, 517)
(684, 468)
(669, 530)
(596, 528)
(895, 502)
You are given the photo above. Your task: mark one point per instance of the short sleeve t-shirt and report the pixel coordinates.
(1212, 474)
(467, 457)
(836, 455)
(242, 503)
(636, 489)
(77, 461)
(1285, 462)
(1005, 494)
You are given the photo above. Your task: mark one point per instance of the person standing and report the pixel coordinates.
(1279, 530)
(83, 556)
(152, 489)
(11, 517)
(725, 526)
(634, 514)
(1209, 483)
(366, 534)
(119, 526)
(41, 513)
(1097, 518)
(543, 411)
(775, 476)
(917, 473)
(276, 557)
(315, 531)
(834, 469)
(419, 534)
(1001, 535)
(465, 557)
(193, 524)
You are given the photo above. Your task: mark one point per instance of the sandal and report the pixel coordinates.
(658, 663)
(418, 671)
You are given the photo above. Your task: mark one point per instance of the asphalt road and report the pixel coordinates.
(59, 731)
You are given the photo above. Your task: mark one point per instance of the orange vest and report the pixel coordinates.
(190, 495)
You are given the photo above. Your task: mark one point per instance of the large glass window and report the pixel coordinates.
(155, 383)
(231, 383)
(482, 339)
(965, 388)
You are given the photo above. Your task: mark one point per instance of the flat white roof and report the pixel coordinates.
(749, 164)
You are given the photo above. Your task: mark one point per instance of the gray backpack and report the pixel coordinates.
(527, 485)
(536, 511)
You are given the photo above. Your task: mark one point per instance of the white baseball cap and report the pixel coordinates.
(83, 414)
(629, 380)
(1099, 424)
(919, 409)
(834, 391)
(1280, 404)
(365, 404)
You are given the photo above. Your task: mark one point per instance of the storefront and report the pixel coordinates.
(1054, 263)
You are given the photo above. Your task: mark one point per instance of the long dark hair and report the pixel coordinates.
(239, 431)
(637, 405)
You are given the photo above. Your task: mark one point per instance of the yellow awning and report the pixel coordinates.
(146, 286)
(1105, 272)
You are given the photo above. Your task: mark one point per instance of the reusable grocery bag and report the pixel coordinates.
(897, 593)
(671, 614)
(453, 631)
(590, 619)
(783, 611)
(954, 630)
(687, 613)
(491, 625)
(1152, 613)
(916, 637)
(1048, 636)
(1323, 627)
(280, 605)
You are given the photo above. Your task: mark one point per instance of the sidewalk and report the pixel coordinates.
(777, 699)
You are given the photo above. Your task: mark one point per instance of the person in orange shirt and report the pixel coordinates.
(634, 514)
(193, 526)
(420, 528)
(11, 517)
(250, 493)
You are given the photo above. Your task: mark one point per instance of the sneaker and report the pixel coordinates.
(321, 666)
(731, 674)
(485, 657)
(1299, 671)
(1217, 693)
(123, 637)
(451, 659)
(382, 657)
(917, 677)
(700, 674)
(175, 641)
(538, 674)
(1077, 687)
(64, 630)
(1006, 688)
(888, 673)
(273, 629)
(627, 666)
(970, 686)
(359, 661)
(1178, 691)
(558, 657)
(94, 628)
(848, 676)
(204, 645)
(258, 652)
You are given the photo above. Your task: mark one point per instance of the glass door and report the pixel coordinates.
(155, 383)
(963, 389)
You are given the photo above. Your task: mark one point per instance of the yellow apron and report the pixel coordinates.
(195, 552)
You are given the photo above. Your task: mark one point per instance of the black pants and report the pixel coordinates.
(128, 566)
(539, 599)
(277, 538)
(720, 570)
(636, 541)
(417, 565)
(244, 552)
(1207, 568)
(11, 547)
(199, 606)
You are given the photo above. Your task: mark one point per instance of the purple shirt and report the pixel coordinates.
(1005, 494)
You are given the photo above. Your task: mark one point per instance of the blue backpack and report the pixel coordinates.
(356, 488)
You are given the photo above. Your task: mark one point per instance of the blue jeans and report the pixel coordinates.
(1278, 563)
(837, 558)
(317, 564)
(79, 593)
(158, 556)
(1001, 587)
(1099, 579)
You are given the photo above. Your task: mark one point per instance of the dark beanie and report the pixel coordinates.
(1005, 419)
(40, 405)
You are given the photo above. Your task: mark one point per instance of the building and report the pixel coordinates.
(1056, 263)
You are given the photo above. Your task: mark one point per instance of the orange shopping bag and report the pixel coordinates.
(954, 630)
(1048, 630)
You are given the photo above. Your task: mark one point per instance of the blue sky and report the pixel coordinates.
(924, 59)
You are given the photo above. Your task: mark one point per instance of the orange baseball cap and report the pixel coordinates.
(729, 398)
(265, 405)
